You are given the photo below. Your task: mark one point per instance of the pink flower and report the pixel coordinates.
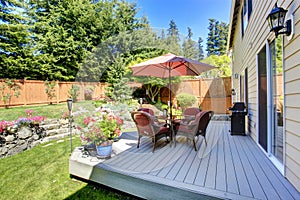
(119, 121)
(87, 120)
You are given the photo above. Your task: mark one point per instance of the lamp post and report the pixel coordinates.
(70, 102)
(276, 21)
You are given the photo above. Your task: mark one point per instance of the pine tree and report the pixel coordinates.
(200, 47)
(15, 49)
(172, 40)
(189, 47)
(217, 37)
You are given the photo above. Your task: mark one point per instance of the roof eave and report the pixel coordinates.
(235, 7)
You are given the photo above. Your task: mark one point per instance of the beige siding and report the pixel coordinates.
(292, 78)
(245, 50)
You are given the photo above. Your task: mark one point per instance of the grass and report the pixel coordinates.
(53, 111)
(43, 173)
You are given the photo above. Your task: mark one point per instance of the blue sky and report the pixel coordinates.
(185, 13)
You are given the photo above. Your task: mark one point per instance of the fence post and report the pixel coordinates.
(24, 90)
(57, 92)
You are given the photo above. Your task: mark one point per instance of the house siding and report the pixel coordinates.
(244, 55)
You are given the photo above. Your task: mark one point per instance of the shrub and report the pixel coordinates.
(8, 89)
(50, 90)
(186, 100)
(74, 92)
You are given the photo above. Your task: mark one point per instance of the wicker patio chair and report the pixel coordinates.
(147, 110)
(188, 116)
(147, 126)
(196, 127)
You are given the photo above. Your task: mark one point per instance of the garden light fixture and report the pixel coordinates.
(276, 21)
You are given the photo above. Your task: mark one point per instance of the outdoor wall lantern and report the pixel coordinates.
(276, 21)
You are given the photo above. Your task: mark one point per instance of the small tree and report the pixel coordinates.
(50, 90)
(119, 91)
(8, 89)
(74, 92)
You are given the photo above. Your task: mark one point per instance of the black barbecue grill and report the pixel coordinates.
(238, 113)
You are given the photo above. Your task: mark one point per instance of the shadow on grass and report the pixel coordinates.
(97, 191)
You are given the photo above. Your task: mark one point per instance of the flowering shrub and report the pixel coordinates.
(4, 126)
(65, 115)
(102, 127)
(29, 121)
(29, 112)
(22, 121)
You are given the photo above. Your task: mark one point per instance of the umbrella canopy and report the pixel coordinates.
(169, 65)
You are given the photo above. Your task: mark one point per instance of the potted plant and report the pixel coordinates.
(101, 129)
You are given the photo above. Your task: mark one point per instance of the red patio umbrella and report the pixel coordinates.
(169, 65)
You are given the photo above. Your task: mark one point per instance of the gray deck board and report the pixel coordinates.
(242, 180)
(228, 167)
(210, 179)
(247, 161)
(276, 185)
(221, 169)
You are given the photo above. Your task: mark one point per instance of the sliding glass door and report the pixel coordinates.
(271, 101)
(262, 99)
(277, 99)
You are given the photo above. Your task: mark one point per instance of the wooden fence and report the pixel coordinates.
(33, 92)
(212, 94)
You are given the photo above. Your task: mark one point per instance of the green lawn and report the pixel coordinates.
(43, 173)
(54, 111)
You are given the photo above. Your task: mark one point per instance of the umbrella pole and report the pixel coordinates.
(171, 117)
(170, 93)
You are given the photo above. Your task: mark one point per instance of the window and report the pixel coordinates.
(246, 12)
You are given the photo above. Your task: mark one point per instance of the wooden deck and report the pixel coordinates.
(229, 167)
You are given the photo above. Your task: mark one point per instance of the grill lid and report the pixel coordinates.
(238, 106)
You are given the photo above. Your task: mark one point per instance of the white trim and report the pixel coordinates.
(277, 164)
(271, 111)
(257, 101)
(269, 99)
(284, 110)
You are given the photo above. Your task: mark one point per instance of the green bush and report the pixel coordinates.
(8, 89)
(186, 100)
(74, 92)
(50, 90)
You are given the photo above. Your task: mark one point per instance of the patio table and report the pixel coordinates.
(171, 122)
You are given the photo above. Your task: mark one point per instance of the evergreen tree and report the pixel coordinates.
(66, 31)
(173, 30)
(223, 29)
(189, 47)
(15, 49)
(172, 40)
(200, 48)
(217, 37)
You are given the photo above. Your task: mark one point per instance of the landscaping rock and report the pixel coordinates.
(51, 126)
(64, 121)
(35, 137)
(9, 138)
(18, 140)
(3, 150)
(24, 132)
